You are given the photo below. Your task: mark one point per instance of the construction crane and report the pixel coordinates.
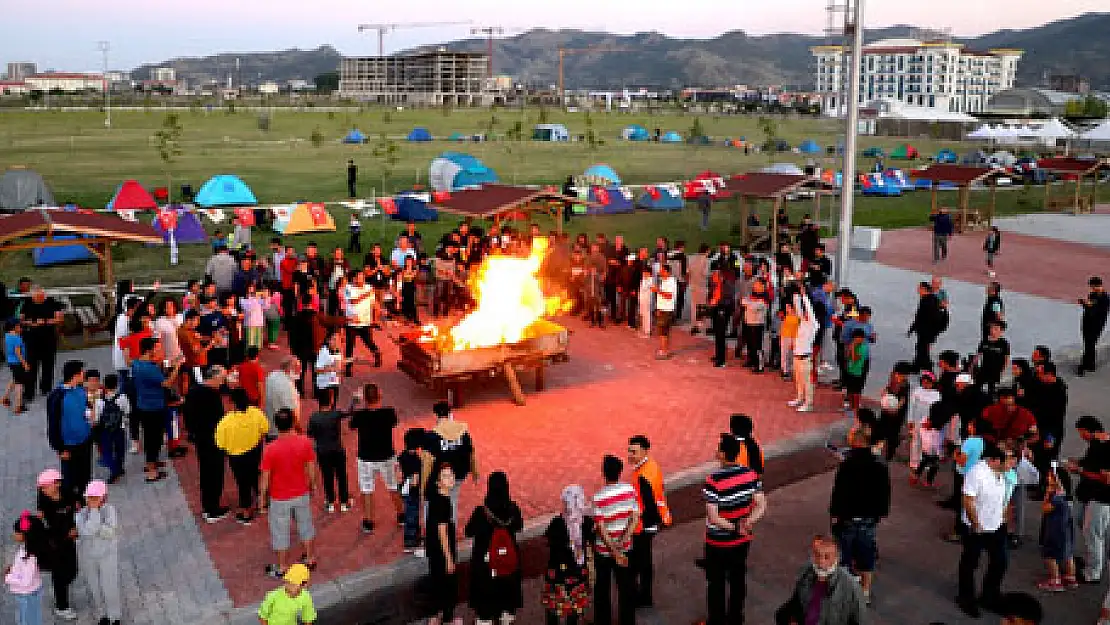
(489, 32)
(383, 29)
(596, 49)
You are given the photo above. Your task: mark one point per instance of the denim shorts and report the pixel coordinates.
(282, 514)
(857, 544)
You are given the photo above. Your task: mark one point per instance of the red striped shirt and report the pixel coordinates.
(732, 489)
(613, 508)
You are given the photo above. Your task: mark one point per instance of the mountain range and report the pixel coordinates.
(1076, 45)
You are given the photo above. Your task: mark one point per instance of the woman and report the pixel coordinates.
(239, 434)
(495, 579)
(165, 329)
(742, 429)
(407, 291)
(566, 584)
(57, 509)
(302, 336)
(441, 547)
(236, 343)
(1025, 382)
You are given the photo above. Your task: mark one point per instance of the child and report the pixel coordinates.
(254, 316)
(1058, 536)
(24, 577)
(645, 294)
(407, 288)
(922, 399)
(15, 352)
(991, 246)
(930, 448)
(272, 314)
(857, 354)
(98, 530)
(410, 464)
(788, 332)
(112, 411)
(291, 604)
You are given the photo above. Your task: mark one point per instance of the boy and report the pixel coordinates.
(410, 465)
(111, 412)
(15, 352)
(291, 604)
(355, 244)
(324, 430)
(991, 246)
(376, 456)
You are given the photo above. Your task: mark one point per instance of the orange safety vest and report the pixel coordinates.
(651, 472)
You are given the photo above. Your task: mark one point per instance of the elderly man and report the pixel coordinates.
(825, 592)
(984, 495)
(281, 392)
(40, 317)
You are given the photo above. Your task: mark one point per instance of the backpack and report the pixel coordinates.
(111, 415)
(502, 558)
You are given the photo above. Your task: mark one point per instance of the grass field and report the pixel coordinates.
(83, 162)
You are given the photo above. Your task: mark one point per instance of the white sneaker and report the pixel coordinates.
(805, 408)
(66, 615)
(330, 508)
(794, 403)
(419, 552)
(134, 447)
(344, 507)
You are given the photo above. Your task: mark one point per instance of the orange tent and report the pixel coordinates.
(309, 217)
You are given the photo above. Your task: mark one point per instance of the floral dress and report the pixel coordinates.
(566, 583)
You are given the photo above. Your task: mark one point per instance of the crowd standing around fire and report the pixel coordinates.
(187, 371)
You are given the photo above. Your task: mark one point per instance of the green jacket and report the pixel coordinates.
(843, 603)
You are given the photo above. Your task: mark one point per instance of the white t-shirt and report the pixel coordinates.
(323, 360)
(122, 329)
(989, 490)
(921, 400)
(667, 285)
(359, 313)
(166, 329)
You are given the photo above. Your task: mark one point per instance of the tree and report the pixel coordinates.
(1089, 107)
(387, 151)
(327, 83)
(770, 129)
(592, 138)
(167, 142)
(317, 137)
(697, 131)
(542, 117)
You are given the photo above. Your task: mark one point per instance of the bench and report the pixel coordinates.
(93, 318)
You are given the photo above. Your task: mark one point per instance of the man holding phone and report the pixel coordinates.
(1096, 308)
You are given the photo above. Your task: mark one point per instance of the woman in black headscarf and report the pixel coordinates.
(751, 455)
(1025, 383)
(495, 575)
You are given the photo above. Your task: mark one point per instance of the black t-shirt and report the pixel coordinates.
(439, 513)
(992, 357)
(34, 311)
(375, 433)
(204, 407)
(456, 453)
(1094, 315)
(1096, 459)
(993, 309)
(410, 467)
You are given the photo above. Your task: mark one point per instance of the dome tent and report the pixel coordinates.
(21, 189)
(130, 195)
(601, 174)
(550, 132)
(452, 171)
(457, 136)
(661, 197)
(61, 254)
(635, 132)
(189, 228)
(419, 134)
(809, 146)
(355, 136)
(225, 190)
(609, 200)
(306, 217)
(947, 156)
(413, 206)
(904, 152)
(671, 137)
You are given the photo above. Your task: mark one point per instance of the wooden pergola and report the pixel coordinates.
(36, 228)
(1078, 201)
(963, 177)
(497, 201)
(746, 189)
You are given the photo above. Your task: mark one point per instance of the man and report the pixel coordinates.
(288, 477)
(926, 325)
(755, 317)
(416, 240)
(993, 357)
(734, 503)
(1093, 494)
(1095, 310)
(204, 407)
(825, 593)
(287, 269)
(68, 429)
(808, 326)
(1050, 407)
(250, 375)
(666, 298)
(352, 178)
(280, 391)
(993, 308)
(221, 270)
(401, 252)
(569, 191)
(647, 480)
(376, 455)
(819, 269)
(1010, 421)
(680, 269)
(40, 319)
(150, 383)
(450, 442)
(445, 271)
(984, 504)
(361, 308)
(942, 231)
(860, 500)
(616, 515)
(1020, 608)
(247, 274)
(705, 204)
(194, 348)
(722, 291)
(614, 258)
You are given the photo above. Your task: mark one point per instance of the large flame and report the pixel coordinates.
(509, 298)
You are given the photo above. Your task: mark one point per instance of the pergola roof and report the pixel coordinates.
(494, 199)
(960, 175)
(764, 184)
(47, 223)
(1065, 165)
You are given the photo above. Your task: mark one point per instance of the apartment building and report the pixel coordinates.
(933, 74)
(429, 79)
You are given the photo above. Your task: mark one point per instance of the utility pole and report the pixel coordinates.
(853, 32)
(104, 47)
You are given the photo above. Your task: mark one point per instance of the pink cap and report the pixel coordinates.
(48, 477)
(96, 488)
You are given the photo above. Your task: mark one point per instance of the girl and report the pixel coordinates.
(442, 550)
(929, 440)
(922, 399)
(566, 586)
(98, 543)
(253, 306)
(15, 352)
(1058, 535)
(407, 291)
(239, 434)
(57, 509)
(235, 344)
(991, 246)
(788, 331)
(24, 577)
(273, 315)
(644, 302)
(496, 591)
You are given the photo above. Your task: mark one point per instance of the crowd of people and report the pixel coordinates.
(188, 370)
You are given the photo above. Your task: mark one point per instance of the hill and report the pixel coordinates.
(253, 66)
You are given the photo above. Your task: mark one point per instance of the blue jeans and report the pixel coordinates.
(857, 544)
(29, 608)
(112, 450)
(412, 520)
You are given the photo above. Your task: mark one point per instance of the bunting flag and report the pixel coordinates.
(281, 212)
(441, 196)
(653, 192)
(388, 205)
(215, 215)
(244, 216)
(127, 215)
(167, 218)
(602, 195)
(318, 213)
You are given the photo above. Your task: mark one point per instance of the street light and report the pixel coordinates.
(104, 47)
(853, 30)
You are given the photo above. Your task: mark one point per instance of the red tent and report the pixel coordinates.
(132, 196)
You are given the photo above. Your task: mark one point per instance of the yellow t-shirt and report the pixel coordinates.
(241, 431)
(279, 608)
(789, 329)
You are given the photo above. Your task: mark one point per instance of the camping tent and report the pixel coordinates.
(413, 206)
(1098, 133)
(1050, 132)
(904, 152)
(635, 133)
(305, 217)
(550, 132)
(62, 254)
(609, 199)
(974, 157)
(783, 168)
(809, 146)
(600, 174)
(947, 156)
(189, 228)
(452, 171)
(419, 134)
(130, 195)
(355, 136)
(1001, 158)
(225, 190)
(22, 188)
(701, 140)
(876, 183)
(671, 137)
(661, 197)
(457, 136)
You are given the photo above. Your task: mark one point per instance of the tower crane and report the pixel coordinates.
(383, 29)
(594, 49)
(489, 32)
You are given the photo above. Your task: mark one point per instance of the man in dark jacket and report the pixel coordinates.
(204, 407)
(1096, 308)
(943, 228)
(927, 325)
(68, 429)
(860, 499)
(842, 601)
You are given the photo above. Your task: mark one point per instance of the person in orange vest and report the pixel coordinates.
(647, 479)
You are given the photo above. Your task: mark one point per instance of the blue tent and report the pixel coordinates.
(413, 206)
(452, 171)
(225, 190)
(457, 136)
(809, 146)
(611, 199)
(355, 136)
(635, 132)
(420, 134)
(550, 132)
(62, 254)
(947, 156)
(671, 137)
(601, 174)
(665, 198)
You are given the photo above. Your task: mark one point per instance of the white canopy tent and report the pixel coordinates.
(1098, 133)
(1050, 132)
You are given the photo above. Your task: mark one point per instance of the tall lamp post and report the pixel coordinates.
(104, 47)
(853, 30)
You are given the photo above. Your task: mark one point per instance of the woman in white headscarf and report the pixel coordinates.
(566, 588)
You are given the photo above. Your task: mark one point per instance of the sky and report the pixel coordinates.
(63, 35)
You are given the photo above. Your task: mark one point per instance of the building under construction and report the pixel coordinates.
(430, 79)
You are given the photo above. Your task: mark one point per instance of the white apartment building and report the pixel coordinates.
(65, 82)
(932, 74)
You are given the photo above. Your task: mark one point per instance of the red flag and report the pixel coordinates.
(318, 213)
(601, 195)
(245, 216)
(167, 218)
(653, 192)
(388, 205)
(441, 196)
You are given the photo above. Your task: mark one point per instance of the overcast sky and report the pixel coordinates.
(62, 34)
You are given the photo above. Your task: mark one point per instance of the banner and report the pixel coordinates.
(167, 218)
(318, 213)
(388, 205)
(601, 195)
(244, 217)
